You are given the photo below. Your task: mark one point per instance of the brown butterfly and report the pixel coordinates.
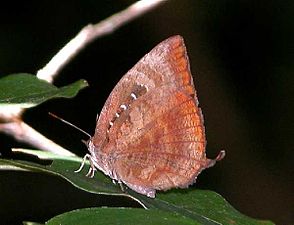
(150, 134)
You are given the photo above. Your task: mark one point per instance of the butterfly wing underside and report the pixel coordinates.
(169, 150)
(165, 64)
(151, 128)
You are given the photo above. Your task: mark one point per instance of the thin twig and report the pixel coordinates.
(10, 120)
(90, 33)
(24, 133)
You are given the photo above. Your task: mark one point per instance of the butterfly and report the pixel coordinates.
(150, 133)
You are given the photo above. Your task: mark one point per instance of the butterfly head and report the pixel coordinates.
(98, 160)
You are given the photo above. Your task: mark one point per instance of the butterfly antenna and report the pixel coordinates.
(68, 123)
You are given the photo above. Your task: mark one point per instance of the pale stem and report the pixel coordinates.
(90, 33)
(24, 133)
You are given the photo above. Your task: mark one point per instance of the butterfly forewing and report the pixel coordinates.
(166, 64)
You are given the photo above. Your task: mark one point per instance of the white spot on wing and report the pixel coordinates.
(124, 107)
(145, 86)
(133, 96)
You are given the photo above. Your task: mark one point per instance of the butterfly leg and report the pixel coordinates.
(121, 186)
(92, 169)
(87, 156)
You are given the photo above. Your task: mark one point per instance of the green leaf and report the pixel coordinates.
(209, 205)
(123, 216)
(26, 90)
(205, 207)
(100, 184)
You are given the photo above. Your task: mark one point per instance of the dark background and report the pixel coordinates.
(241, 55)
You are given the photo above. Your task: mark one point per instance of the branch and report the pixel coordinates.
(10, 120)
(24, 133)
(90, 33)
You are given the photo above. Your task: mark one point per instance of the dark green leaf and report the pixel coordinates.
(26, 90)
(123, 216)
(205, 207)
(100, 184)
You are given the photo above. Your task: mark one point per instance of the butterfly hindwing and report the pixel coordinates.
(161, 154)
